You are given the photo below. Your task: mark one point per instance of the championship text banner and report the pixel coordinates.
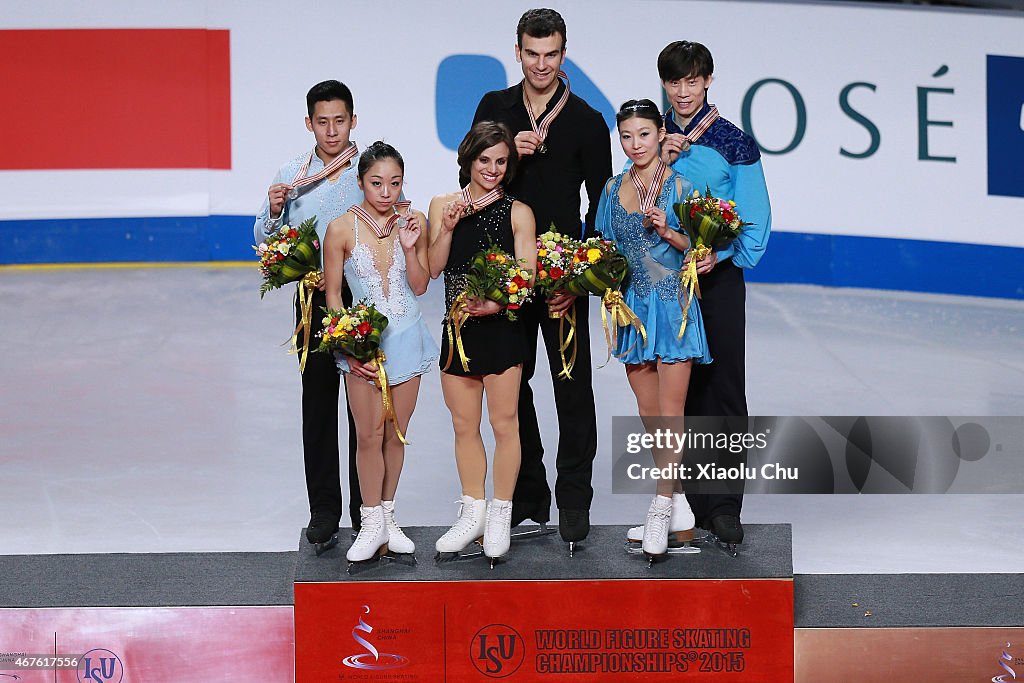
(638, 630)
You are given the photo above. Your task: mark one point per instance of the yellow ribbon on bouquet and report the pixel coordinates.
(566, 340)
(386, 397)
(457, 317)
(307, 285)
(614, 306)
(689, 283)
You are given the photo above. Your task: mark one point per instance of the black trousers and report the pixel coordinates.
(719, 388)
(577, 421)
(321, 385)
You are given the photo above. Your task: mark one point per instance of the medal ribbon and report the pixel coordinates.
(389, 225)
(542, 128)
(341, 160)
(702, 126)
(648, 195)
(476, 205)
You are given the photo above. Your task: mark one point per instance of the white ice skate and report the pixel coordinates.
(398, 542)
(655, 543)
(681, 531)
(467, 530)
(372, 540)
(497, 530)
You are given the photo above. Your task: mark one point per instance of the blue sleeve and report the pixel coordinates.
(265, 225)
(751, 196)
(603, 219)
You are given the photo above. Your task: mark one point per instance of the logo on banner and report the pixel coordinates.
(1005, 103)
(497, 650)
(372, 659)
(100, 666)
(1004, 661)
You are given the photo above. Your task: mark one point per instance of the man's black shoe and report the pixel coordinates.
(727, 528)
(573, 525)
(322, 527)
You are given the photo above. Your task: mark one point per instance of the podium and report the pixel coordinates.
(602, 615)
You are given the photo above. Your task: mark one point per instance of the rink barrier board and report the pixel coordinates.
(791, 257)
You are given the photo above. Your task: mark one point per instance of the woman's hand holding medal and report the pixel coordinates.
(409, 230)
(452, 213)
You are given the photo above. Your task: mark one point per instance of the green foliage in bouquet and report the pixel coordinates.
(288, 255)
(602, 268)
(354, 331)
(709, 221)
(496, 275)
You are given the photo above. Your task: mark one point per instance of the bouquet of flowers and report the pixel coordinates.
(495, 275)
(555, 253)
(354, 331)
(288, 255)
(710, 223)
(597, 267)
(601, 268)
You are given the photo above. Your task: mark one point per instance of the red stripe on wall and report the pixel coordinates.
(115, 98)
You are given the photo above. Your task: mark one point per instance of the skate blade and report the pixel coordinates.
(382, 556)
(407, 559)
(636, 548)
(574, 546)
(711, 540)
(687, 536)
(541, 529)
(474, 549)
(321, 548)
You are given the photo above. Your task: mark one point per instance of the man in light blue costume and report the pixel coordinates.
(320, 182)
(713, 153)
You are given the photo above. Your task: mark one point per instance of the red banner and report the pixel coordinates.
(574, 631)
(115, 98)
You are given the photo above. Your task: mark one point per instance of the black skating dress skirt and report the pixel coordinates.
(493, 343)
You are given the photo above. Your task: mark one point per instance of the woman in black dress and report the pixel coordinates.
(462, 224)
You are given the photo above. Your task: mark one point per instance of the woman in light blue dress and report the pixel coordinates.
(381, 250)
(636, 213)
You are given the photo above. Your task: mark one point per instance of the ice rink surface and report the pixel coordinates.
(155, 410)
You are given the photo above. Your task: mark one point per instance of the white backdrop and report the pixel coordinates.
(388, 53)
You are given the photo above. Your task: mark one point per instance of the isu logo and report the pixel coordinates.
(497, 650)
(371, 660)
(100, 666)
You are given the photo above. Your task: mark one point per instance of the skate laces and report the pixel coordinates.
(658, 519)
(499, 514)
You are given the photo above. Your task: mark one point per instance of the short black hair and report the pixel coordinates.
(540, 23)
(325, 91)
(644, 109)
(683, 59)
(484, 135)
(376, 152)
